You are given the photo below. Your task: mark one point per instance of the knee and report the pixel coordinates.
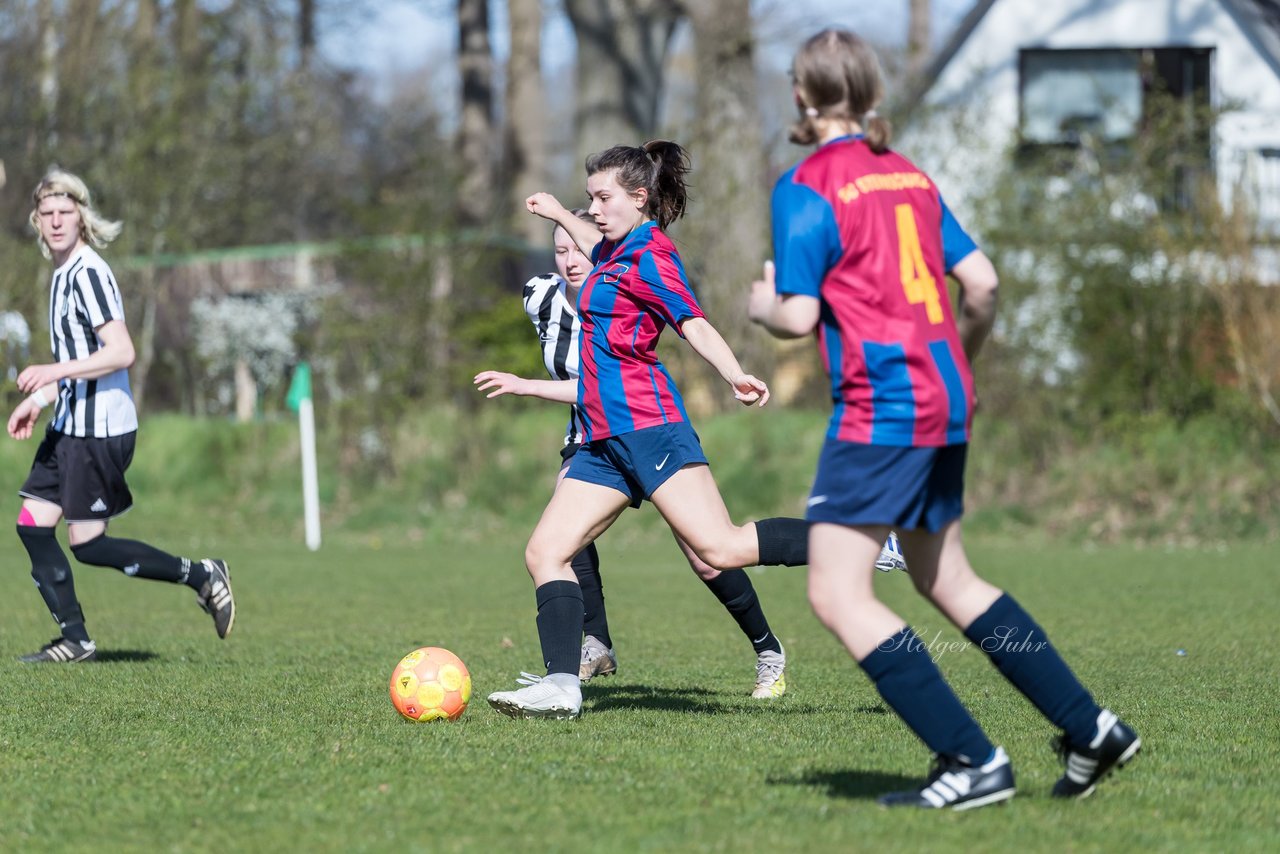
(542, 559)
(701, 568)
(823, 606)
(94, 552)
(719, 555)
(945, 586)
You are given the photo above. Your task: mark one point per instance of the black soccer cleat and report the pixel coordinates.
(954, 784)
(62, 651)
(1112, 747)
(215, 596)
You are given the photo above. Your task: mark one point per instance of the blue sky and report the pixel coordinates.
(403, 37)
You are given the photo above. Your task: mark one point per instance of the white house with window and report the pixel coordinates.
(1044, 72)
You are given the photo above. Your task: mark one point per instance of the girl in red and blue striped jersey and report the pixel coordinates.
(863, 244)
(638, 441)
(551, 301)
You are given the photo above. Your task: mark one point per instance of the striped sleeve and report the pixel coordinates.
(806, 238)
(668, 292)
(539, 296)
(97, 294)
(556, 324)
(956, 243)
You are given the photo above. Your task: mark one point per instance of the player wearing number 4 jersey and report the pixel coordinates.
(863, 241)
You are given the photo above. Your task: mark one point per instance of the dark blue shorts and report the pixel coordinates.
(904, 488)
(637, 463)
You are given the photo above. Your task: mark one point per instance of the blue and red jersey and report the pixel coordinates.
(636, 289)
(869, 235)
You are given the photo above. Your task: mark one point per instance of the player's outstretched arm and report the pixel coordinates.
(498, 383)
(710, 345)
(548, 206)
(787, 316)
(976, 307)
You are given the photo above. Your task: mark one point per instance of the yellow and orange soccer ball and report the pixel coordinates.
(430, 684)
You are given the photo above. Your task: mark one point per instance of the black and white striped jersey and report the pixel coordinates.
(556, 320)
(83, 297)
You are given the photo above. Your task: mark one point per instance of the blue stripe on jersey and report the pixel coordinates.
(657, 394)
(893, 406)
(958, 404)
(613, 398)
(677, 308)
(956, 243)
(806, 239)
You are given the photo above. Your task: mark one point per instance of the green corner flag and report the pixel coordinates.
(300, 388)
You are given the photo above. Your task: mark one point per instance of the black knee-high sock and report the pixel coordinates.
(738, 595)
(560, 625)
(595, 622)
(783, 541)
(135, 558)
(913, 687)
(52, 574)
(1020, 649)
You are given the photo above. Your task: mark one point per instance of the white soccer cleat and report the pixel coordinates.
(541, 698)
(771, 676)
(597, 660)
(891, 555)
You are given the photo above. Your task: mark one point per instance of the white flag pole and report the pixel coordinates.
(310, 483)
(300, 400)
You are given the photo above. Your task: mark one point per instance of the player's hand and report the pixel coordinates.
(22, 423)
(545, 205)
(749, 390)
(764, 293)
(498, 383)
(38, 376)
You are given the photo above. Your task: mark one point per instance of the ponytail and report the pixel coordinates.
(877, 131)
(670, 196)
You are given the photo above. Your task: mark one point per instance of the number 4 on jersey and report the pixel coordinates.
(919, 285)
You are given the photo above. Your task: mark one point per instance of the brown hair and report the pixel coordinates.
(837, 76)
(658, 166)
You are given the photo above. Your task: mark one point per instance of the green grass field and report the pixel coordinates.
(283, 737)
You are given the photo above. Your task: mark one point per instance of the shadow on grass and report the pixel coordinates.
(606, 697)
(127, 656)
(603, 698)
(856, 785)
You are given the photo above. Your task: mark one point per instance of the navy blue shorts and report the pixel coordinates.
(904, 488)
(637, 463)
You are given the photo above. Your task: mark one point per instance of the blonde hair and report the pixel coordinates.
(94, 227)
(837, 76)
